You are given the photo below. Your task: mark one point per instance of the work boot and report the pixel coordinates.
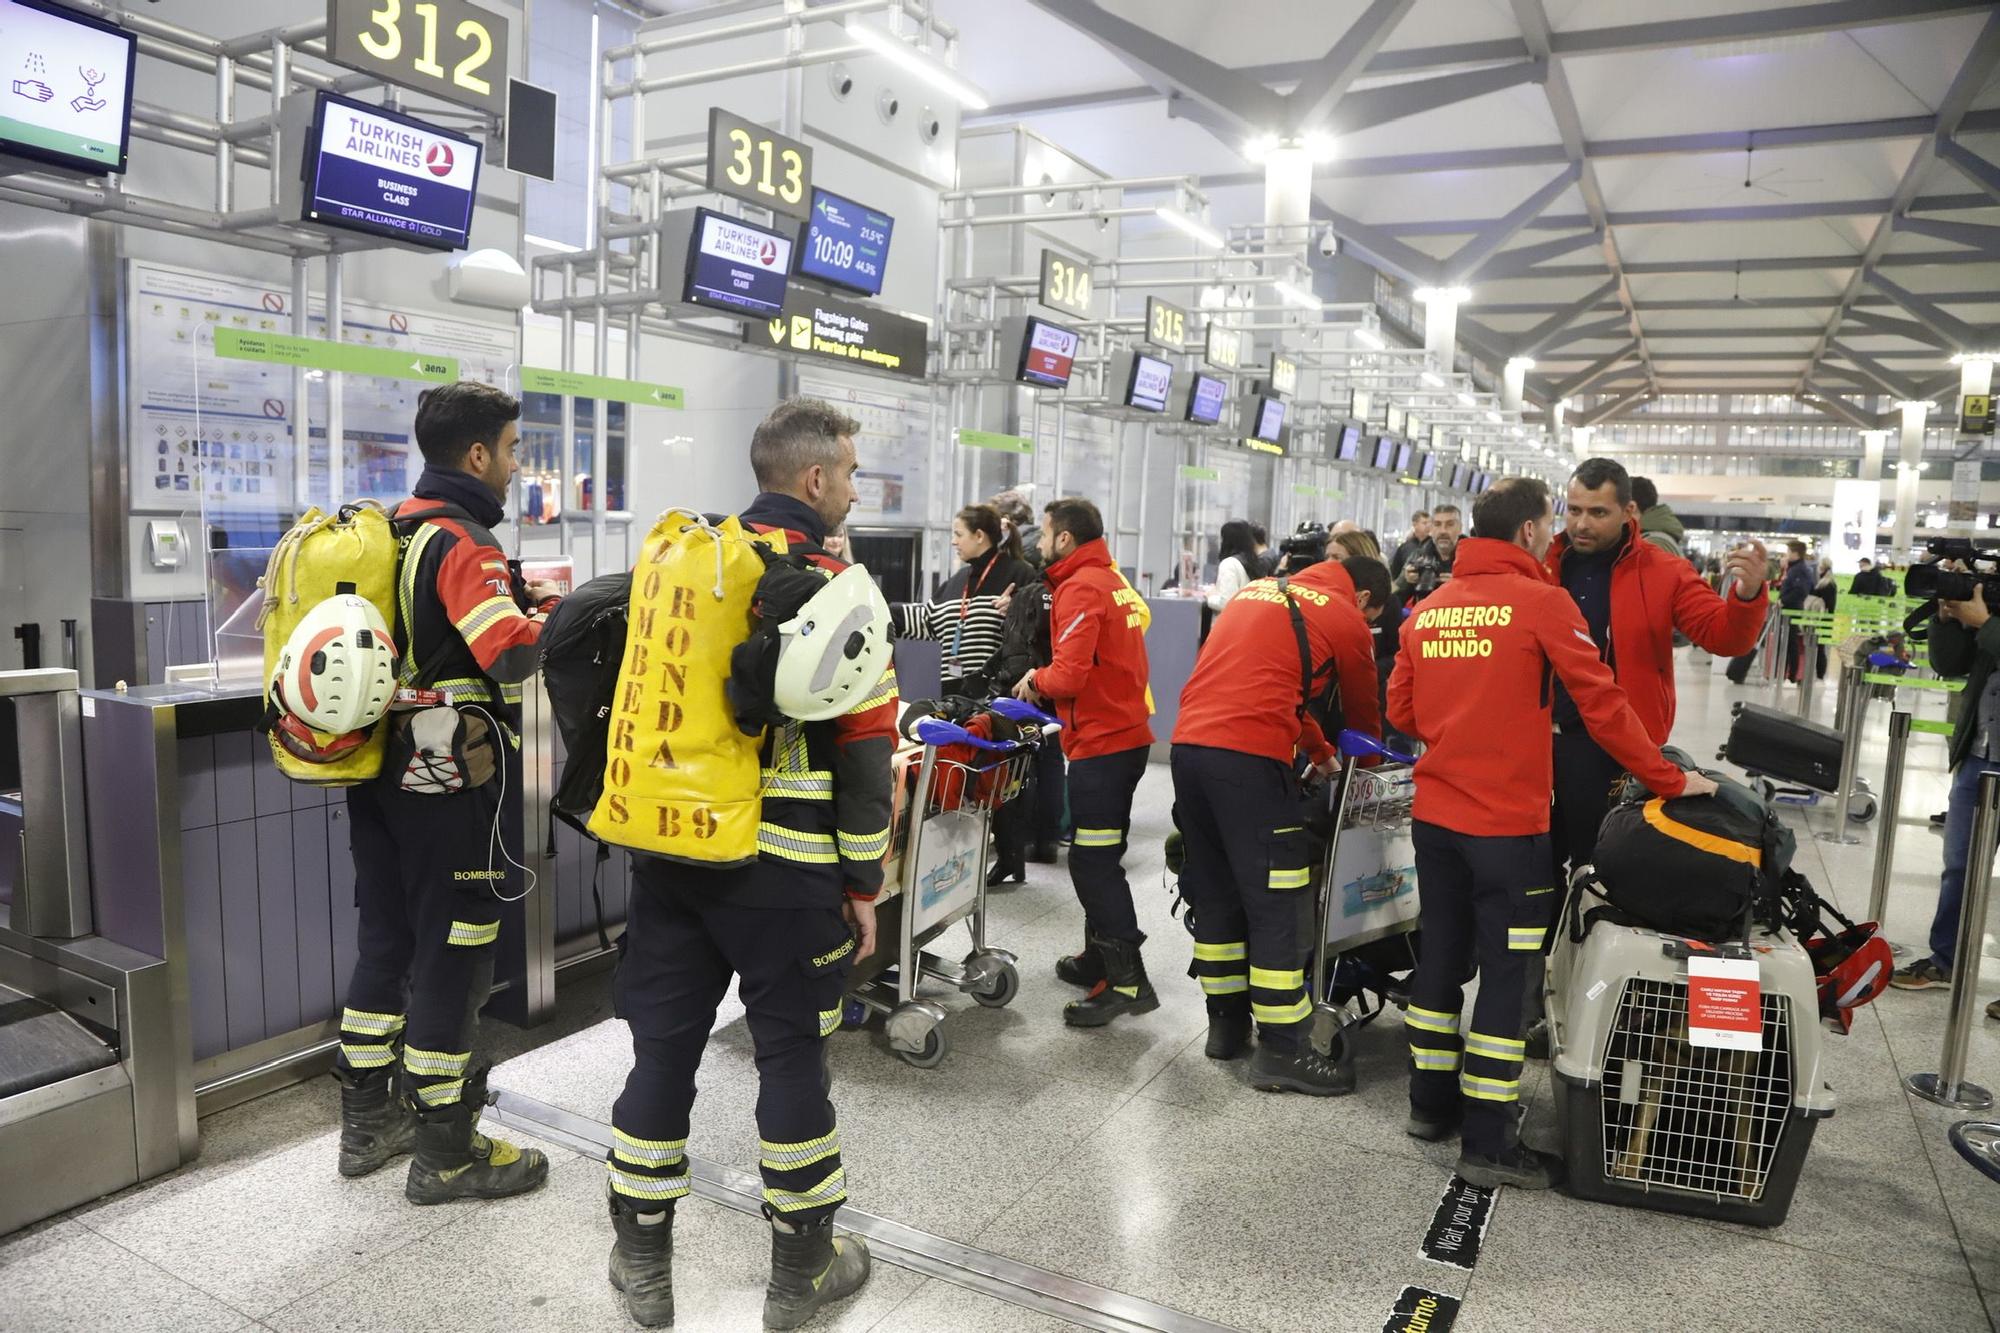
(375, 1124)
(1433, 1129)
(1536, 1041)
(455, 1161)
(1124, 989)
(1228, 1030)
(1042, 853)
(1302, 1070)
(1519, 1166)
(811, 1267)
(1005, 869)
(642, 1261)
(1085, 969)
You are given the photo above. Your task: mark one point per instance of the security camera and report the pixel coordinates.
(1329, 244)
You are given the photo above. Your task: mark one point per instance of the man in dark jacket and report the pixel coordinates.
(1420, 532)
(1964, 644)
(1794, 587)
(1871, 582)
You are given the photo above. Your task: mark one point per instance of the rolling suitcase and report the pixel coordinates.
(1784, 747)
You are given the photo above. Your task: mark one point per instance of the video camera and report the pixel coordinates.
(1933, 584)
(1305, 547)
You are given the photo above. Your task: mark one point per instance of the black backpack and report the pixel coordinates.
(1703, 868)
(582, 645)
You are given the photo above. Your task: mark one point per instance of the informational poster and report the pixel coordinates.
(893, 485)
(64, 90)
(220, 435)
(948, 867)
(1374, 887)
(1963, 511)
(1856, 507)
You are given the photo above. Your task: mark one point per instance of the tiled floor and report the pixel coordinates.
(1121, 1157)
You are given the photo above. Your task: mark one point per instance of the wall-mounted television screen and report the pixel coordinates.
(1429, 470)
(736, 266)
(846, 244)
(390, 175)
(67, 96)
(1460, 474)
(1404, 449)
(1350, 444)
(1048, 354)
(1270, 420)
(1151, 380)
(1206, 397)
(1385, 452)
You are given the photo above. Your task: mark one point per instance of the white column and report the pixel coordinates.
(1581, 436)
(1513, 380)
(1873, 442)
(1288, 181)
(1908, 475)
(1441, 325)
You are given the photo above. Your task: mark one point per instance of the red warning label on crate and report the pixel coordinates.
(1725, 1004)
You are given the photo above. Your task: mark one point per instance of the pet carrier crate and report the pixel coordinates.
(1648, 1119)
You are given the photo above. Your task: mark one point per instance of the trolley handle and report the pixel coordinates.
(1020, 710)
(936, 731)
(1359, 744)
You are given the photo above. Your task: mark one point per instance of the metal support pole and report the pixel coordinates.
(568, 451)
(1948, 1087)
(301, 434)
(1808, 653)
(1885, 819)
(1856, 695)
(336, 383)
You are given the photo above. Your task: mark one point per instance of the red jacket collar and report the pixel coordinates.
(1560, 548)
(1485, 555)
(1090, 555)
(1328, 577)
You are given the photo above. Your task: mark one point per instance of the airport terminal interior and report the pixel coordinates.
(1298, 295)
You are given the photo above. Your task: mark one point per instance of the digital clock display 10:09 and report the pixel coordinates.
(846, 244)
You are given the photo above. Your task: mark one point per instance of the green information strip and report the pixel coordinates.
(573, 384)
(1199, 474)
(987, 439)
(1930, 727)
(319, 354)
(1913, 682)
(1313, 491)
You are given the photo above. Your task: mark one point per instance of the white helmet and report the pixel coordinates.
(337, 671)
(835, 650)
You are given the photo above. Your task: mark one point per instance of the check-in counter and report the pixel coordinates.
(1172, 644)
(204, 854)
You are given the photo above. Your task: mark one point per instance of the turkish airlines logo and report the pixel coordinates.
(767, 254)
(438, 160)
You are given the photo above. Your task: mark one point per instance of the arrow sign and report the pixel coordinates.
(320, 354)
(576, 385)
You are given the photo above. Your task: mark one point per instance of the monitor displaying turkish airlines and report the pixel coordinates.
(1350, 444)
(389, 175)
(1270, 420)
(737, 266)
(1048, 354)
(1403, 452)
(1151, 379)
(1385, 451)
(1206, 398)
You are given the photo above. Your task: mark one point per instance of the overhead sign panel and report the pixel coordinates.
(846, 244)
(736, 266)
(1066, 284)
(66, 99)
(1166, 324)
(447, 48)
(572, 384)
(286, 349)
(846, 332)
(759, 166)
(373, 171)
(1223, 347)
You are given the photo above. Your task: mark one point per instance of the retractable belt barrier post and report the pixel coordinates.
(1808, 658)
(1948, 1087)
(1853, 692)
(1885, 820)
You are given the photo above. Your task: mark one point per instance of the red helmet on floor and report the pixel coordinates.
(1853, 968)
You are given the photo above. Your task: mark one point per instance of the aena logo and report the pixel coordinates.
(438, 160)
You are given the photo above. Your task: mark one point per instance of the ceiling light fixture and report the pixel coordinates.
(1456, 295)
(1194, 227)
(919, 62)
(1430, 377)
(1960, 358)
(1466, 399)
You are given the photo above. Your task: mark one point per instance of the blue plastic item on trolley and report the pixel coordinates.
(1359, 744)
(936, 731)
(1886, 661)
(1020, 710)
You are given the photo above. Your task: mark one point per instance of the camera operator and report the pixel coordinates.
(1964, 644)
(1305, 548)
(1429, 565)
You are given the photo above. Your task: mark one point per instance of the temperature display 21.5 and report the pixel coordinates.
(846, 244)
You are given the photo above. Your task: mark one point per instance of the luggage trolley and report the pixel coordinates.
(1368, 883)
(939, 878)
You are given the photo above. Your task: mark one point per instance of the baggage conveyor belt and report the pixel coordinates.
(40, 1044)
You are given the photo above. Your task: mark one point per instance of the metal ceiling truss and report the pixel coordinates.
(1971, 165)
(1983, 239)
(1671, 34)
(1659, 217)
(1719, 303)
(1980, 60)
(1616, 407)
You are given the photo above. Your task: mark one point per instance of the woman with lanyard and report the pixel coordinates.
(962, 618)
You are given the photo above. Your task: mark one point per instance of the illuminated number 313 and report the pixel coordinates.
(743, 169)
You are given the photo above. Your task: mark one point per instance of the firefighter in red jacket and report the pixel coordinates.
(424, 833)
(1098, 680)
(1474, 682)
(1278, 651)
